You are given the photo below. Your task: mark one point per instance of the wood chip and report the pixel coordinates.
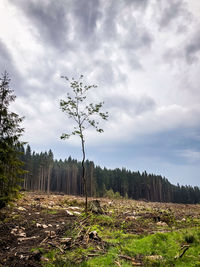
(65, 240)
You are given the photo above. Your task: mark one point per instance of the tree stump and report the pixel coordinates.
(95, 207)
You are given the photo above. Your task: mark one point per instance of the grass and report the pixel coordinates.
(164, 246)
(159, 249)
(73, 202)
(48, 211)
(70, 258)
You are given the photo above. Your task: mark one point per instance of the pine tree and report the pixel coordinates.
(10, 132)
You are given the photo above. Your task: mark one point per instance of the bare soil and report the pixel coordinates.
(36, 217)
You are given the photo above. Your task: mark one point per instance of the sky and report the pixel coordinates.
(144, 56)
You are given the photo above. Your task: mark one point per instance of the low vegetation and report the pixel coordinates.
(41, 230)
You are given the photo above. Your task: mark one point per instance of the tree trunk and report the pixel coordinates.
(84, 179)
(48, 179)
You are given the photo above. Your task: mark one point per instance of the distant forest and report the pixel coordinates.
(48, 175)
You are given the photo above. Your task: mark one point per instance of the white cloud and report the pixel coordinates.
(192, 156)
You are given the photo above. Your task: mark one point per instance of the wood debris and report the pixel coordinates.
(133, 260)
(27, 238)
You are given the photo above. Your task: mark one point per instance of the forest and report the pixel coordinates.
(47, 174)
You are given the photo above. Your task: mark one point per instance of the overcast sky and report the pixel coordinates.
(144, 55)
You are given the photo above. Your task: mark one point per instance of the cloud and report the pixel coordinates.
(6, 61)
(192, 49)
(43, 121)
(136, 38)
(148, 120)
(7, 64)
(188, 51)
(133, 105)
(169, 13)
(50, 19)
(86, 14)
(192, 156)
(137, 3)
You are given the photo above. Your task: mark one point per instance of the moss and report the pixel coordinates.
(73, 202)
(16, 217)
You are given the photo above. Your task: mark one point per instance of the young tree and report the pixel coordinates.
(83, 115)
(10, 132)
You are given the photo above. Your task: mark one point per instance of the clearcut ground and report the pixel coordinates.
(41, 230)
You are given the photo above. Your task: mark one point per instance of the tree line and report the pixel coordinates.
(47, 174)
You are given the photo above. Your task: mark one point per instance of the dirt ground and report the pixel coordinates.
(36, 223)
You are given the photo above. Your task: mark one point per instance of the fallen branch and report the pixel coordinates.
(126, 257)
(99, 251)
(65, 240)
(79, 233)
(85, 219)
(27, 238)
(130, 259)
(56, 246)
(44, 240)
(93, 255)
(86, 235)
(118, 264)
(185, 248)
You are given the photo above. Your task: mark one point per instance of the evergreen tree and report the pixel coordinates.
(10, 145)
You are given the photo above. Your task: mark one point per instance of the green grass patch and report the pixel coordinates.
(71, 258)
(103, 220)
(160, 249)
(52, 255)
(73, 202)
(105, 260)
(49, 211)
(39, 249)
